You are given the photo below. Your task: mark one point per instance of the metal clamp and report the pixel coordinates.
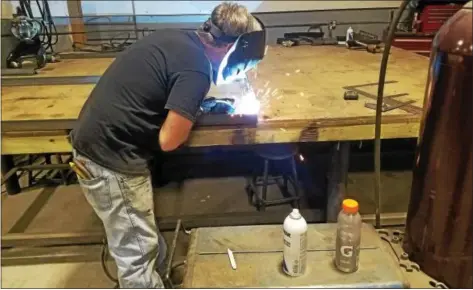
(394, 239)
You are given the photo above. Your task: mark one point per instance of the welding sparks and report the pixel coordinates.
(249, 105)
(301, 157)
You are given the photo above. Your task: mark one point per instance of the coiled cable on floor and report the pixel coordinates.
(379, 106)
(104, 258)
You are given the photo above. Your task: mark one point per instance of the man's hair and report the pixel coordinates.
(232, 19)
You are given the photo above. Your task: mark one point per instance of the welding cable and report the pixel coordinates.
(50, 37)
(104, 257)
(102, 47)
(379, 105)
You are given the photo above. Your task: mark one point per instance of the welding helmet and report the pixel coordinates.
(248, 49)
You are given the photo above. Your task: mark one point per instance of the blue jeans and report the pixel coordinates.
(125, 205)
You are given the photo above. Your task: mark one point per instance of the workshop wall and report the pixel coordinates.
(371, 20)
(103, 19)
(7, 43)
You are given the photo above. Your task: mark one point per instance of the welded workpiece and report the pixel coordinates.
(439, 228)
(259, 251)
(238, 105)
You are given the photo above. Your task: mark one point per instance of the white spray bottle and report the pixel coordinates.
(295, 244)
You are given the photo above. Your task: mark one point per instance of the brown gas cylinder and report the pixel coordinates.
(439, 219)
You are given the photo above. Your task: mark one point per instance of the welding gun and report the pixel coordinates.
(213, 105)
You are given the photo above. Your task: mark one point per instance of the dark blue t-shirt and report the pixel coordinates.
(119, 123)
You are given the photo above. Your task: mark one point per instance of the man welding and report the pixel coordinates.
(147, 101)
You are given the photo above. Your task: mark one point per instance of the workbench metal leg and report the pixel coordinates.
(338, 176)
(12, 185)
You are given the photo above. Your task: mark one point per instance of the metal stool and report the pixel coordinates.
(259, 198)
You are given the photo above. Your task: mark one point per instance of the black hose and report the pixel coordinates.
(104, 257)
(379, 106)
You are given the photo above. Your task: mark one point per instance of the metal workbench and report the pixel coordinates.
(258, 252)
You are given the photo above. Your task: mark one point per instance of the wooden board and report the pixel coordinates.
(301, 90)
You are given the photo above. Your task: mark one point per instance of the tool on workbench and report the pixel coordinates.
(313, 36)
(347, 247)
(35, 35)
(363, 39)
(295, 244)
(350, 95)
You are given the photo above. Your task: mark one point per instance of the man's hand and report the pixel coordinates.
(174, 131)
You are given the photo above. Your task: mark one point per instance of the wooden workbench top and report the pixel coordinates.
(301, 90)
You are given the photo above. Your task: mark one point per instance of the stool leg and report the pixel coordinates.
(265, 185)
(296, 203)
(30, 172)
(249, 188)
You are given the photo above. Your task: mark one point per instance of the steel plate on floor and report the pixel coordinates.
(258, 252)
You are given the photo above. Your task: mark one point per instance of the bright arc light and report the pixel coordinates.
(248, 105)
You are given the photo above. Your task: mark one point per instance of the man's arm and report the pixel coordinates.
(183, 103)
(174, 131)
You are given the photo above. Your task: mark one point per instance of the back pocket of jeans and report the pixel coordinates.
(97, 192)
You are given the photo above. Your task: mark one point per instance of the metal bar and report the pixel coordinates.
(237, 219)
(164, 224)
(50, 81)
(387, 219)
(167, 276)
(387, 108)
(18, 72)
(48, 255)
(12, 184)
(61, 239)
(87, 55)
(33, 210)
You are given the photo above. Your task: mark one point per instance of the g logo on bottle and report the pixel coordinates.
(346, 251)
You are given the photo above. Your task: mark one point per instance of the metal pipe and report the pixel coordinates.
(379, 107)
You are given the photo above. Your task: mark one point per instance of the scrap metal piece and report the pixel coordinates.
(350, 95)
(49, 81)
(386, 107)
(389, 102)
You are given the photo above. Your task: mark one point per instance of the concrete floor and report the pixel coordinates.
(199, 196)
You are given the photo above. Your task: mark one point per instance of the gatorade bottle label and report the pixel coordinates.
(295, 251)
(346, 255)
